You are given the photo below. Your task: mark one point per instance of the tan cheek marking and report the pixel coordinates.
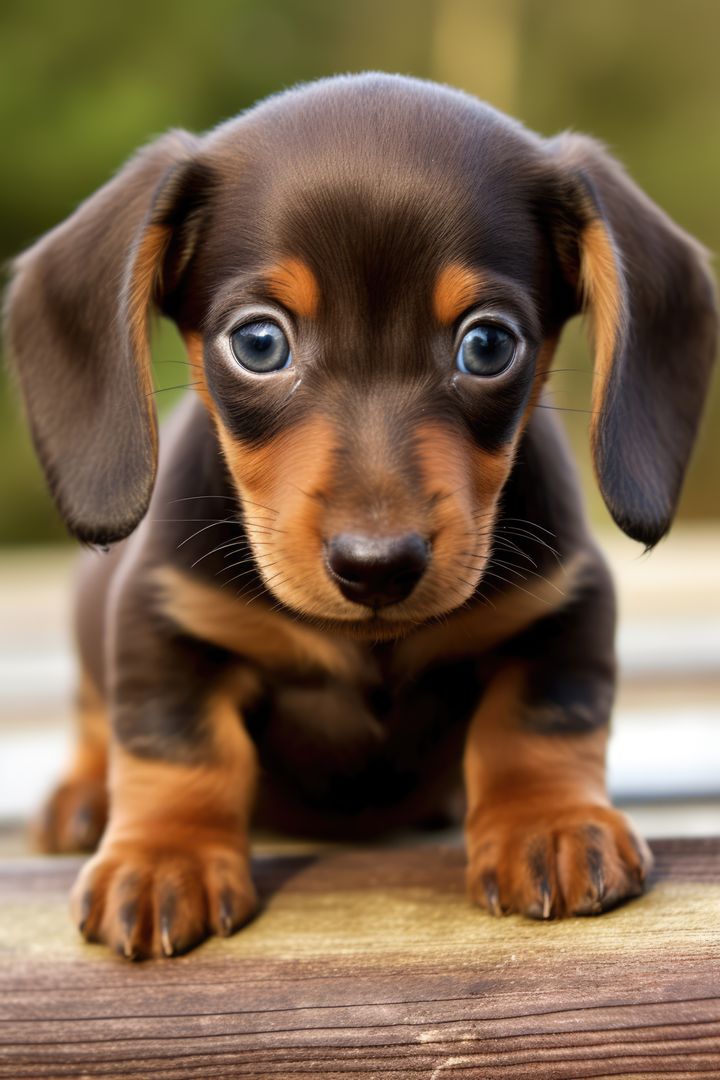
(273, 472)
(600, 284)
(457, 287)
(265, 638)
(282, 475)
(297, 457)
(468, 482)
(444, 457)
(451, 463)
(293, 283)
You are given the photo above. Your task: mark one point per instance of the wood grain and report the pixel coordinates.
(371, 963)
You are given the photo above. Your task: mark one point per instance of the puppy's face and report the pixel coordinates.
(376, 330)
(370, 274)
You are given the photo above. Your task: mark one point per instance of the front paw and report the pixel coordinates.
(545, 862)
(148, 900)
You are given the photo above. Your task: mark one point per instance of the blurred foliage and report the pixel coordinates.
(83, 84)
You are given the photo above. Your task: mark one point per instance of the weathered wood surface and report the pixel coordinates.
(371, 963)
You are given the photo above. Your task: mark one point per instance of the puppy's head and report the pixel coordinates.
(370, 274)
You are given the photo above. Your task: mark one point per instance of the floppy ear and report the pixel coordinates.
(653, 306)
(77, 329)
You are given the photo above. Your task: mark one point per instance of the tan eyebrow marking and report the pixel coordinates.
(457, 288)
(293, 283)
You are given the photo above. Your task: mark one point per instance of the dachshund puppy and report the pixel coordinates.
(363, 571)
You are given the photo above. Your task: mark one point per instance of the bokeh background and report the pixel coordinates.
(83, 83)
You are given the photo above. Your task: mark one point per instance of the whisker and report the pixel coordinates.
(180, 386)
(526, 521)
(244, 573)
(565, 408)
(262, 506)
(191, 498)
(510, 568)
(508, 544)
(538, 540)
(234, 544)
(514, 585)
(219, 521)
(263, 528)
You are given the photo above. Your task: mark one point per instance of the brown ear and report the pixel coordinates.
(653, 304)
(77, 328)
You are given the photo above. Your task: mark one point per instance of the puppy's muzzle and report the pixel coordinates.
(377, 570)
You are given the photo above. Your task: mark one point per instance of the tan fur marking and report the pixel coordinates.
(282, 483)
(194, 346)
(202, 798)
(600, 284)
(505, 762)
(293, 283)
(270, 640)
(145, 271)
(457, 287)
(461, 483)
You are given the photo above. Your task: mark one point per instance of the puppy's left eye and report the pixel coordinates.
(487, 349)
(261, 347)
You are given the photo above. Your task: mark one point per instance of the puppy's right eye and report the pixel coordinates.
(261, 347)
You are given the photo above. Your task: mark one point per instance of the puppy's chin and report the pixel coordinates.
(384, 624)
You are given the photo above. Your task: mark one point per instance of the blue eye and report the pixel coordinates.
(487, 349)
(261, 347)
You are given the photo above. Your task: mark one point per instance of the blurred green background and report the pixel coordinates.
(83, 83)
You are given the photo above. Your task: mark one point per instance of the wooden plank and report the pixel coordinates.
(371, 963)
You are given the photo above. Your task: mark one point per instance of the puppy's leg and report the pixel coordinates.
(74, 816)
(542, 836)
(173, 864)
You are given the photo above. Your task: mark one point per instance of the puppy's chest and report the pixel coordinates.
(335, 739)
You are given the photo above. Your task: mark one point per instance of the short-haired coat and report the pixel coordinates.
(359, 567)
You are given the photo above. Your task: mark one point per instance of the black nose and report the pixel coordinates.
(377, 570)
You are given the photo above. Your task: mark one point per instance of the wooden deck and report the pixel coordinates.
(372, 964)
